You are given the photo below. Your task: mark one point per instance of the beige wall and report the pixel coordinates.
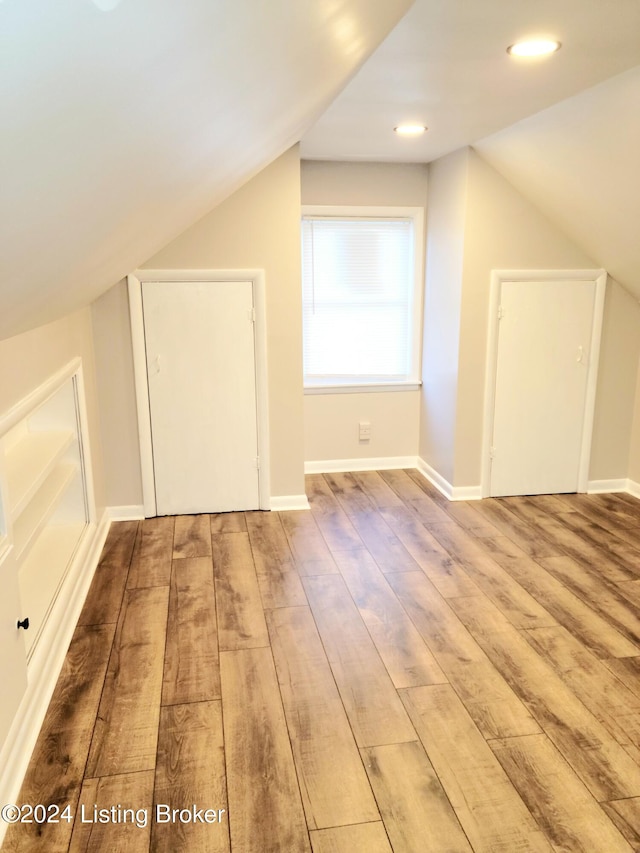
(331, 427)
(399, 184)
(634, 449)
(445, 243)
(501, 230)
(258, 227)
(27, 360)
(331, 420)
(616, 392)
(118, 418)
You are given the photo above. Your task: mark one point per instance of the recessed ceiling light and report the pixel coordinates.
(534, 47)
(410, 129)
(106, 5)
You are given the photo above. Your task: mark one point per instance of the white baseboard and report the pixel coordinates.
(595, 487)
(452, 493)
(280, 503)
(437, 480)
(467, 493)
(372, 463)
(135, 512)
(47, 661)
(633, 488)
(385, 463)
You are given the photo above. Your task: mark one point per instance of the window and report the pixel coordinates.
(361, 275)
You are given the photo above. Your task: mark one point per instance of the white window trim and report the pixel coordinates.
(363, 388)
(362, 212)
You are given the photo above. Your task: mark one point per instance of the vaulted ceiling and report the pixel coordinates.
(565, 130)
(578, 163)
(124, 121)
(445, 65)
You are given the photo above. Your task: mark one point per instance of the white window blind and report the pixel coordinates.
(359, 300)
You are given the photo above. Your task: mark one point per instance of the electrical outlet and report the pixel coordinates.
(364, 431)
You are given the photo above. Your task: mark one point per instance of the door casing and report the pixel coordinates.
(256, 277)
(599, 277)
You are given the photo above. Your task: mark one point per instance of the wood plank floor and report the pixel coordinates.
(387, 672)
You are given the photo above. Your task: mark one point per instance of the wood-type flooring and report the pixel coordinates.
(388, 671)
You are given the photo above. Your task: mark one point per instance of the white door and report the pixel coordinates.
(544, 341)
(199, 339)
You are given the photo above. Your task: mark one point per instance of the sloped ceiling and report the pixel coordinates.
(126, 120)
(564, 130)
(579, 163)
(445, 65)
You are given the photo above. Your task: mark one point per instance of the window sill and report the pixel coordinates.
(362, 388)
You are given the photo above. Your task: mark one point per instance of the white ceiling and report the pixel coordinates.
(121, 128)
(445, 65)
(564, 130)
(124, 121)
(578, 162)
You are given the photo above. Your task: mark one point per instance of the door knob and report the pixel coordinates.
(24, 623)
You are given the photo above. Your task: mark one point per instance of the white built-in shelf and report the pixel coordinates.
(41, 507)
(43, 493)
(29, 464)
(43, 571)
(46, 524)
